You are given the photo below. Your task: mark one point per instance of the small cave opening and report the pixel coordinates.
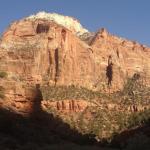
(42, 28)
(63, 33)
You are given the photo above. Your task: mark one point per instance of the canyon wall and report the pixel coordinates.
(42, 52)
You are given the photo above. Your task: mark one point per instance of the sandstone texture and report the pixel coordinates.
(37, 51)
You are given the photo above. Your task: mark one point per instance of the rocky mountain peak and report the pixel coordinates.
(103, 32)
(39, 51)
(66, 21)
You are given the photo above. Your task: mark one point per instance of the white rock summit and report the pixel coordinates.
(66, 21)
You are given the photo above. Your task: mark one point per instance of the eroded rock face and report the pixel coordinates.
(127, 57)
(42, 52)
(46, 50)
(67, 106)
(74, 106)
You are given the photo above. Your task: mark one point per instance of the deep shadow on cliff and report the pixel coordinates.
(42, 131)
(37, 130)
(133, 139)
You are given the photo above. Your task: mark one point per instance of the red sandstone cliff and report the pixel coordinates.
(40, 51)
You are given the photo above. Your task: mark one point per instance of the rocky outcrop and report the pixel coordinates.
(57, 56)
(38, 50)
(66, 21)
(128, 57)
(74, 106)
(67, 106)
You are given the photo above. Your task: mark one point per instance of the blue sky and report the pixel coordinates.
(125, 18)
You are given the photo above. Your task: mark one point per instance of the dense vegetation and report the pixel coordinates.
(89, 129)
(101, 123)
(2, 95)
(69, 92)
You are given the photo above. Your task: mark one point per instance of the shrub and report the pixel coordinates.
(135, 92)
(69, 92)
(2, 95)
(139, 118)
(3, 74)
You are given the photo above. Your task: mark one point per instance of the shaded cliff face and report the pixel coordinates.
(40, 51)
